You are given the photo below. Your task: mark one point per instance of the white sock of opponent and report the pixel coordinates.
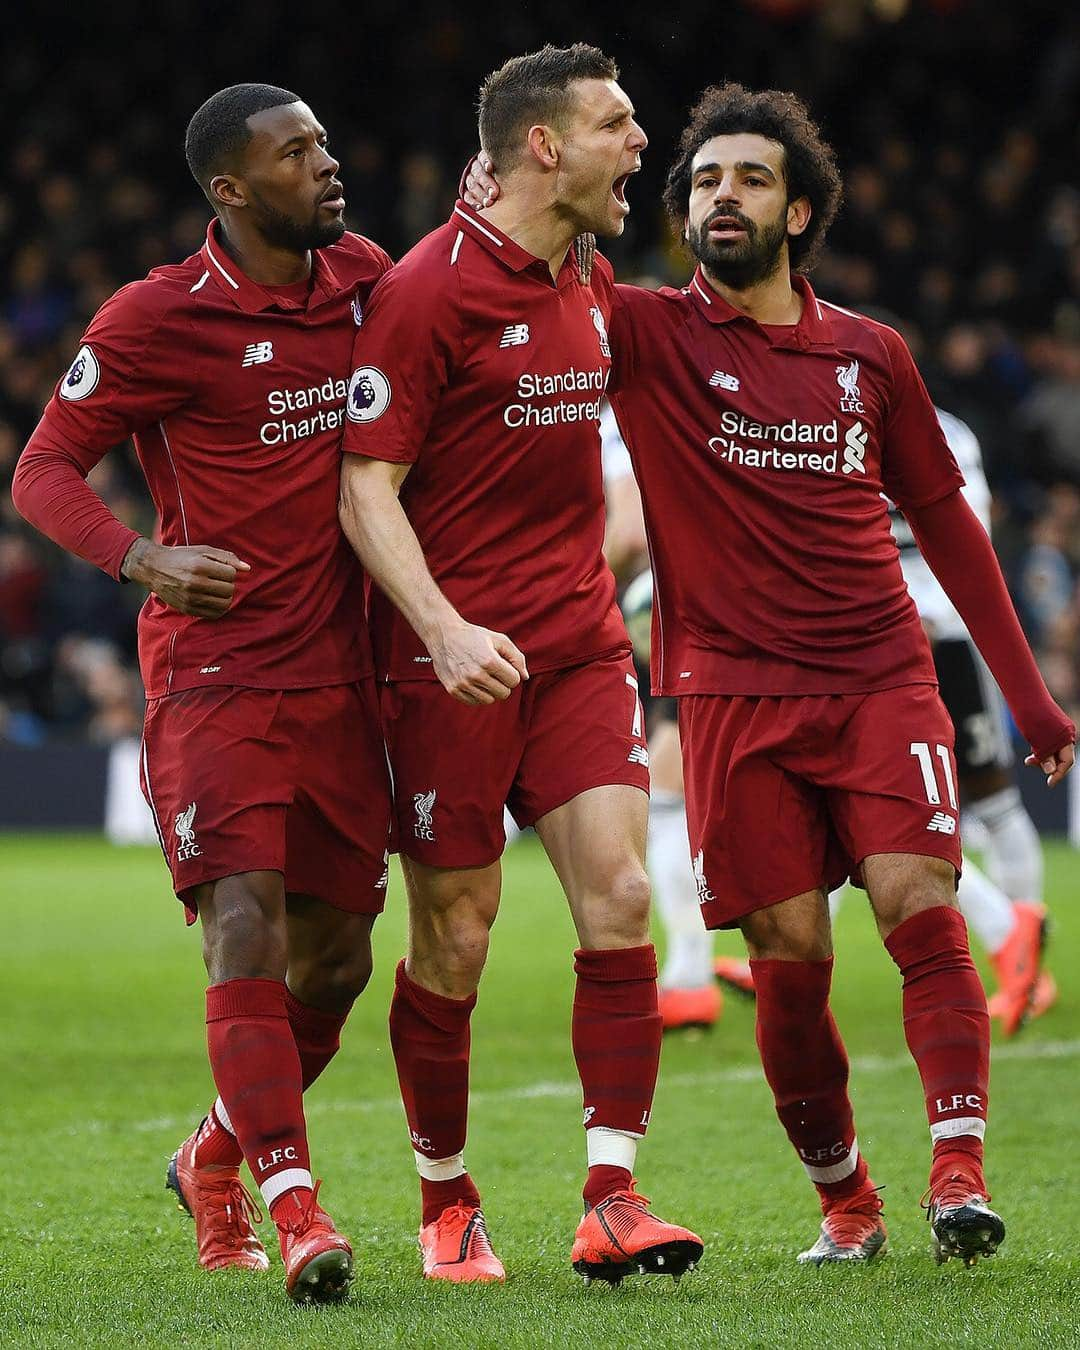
(1014, 857)
(688, 964)
(986, 907)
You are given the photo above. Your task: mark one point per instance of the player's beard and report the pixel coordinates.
(283, 231)
(740, 264)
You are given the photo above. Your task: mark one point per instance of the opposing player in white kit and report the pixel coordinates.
(1005, 908)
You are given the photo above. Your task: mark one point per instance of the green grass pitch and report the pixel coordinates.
(104, 1072)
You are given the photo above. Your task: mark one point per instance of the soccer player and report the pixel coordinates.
(765, 425)
(228, 370)
(1005, 908)
(480, 368)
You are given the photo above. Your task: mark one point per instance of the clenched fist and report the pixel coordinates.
(193, 579)
(477, 666)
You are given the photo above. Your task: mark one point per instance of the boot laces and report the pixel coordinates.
(463, 1214)
(237, 1210)
(302, 1221)
(851, 1218)
(957, 1189)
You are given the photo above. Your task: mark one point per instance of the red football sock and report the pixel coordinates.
(946, 1025)
(429, 1035)
(257, 1071)
(807, 1068)
(616, 1034)
(318, 1037)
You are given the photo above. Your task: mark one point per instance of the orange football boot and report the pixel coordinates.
(1017, 965)
(852, 1230)
(318, 1259)
(619, 1237)
(456, 1247)
(681, 1009)
(224, 1212)
(735, 974)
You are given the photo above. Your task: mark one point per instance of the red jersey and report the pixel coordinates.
(762, 454)
(234, 395)
(486, 376)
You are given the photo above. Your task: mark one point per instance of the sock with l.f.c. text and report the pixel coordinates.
(807, 1068)
(429, 1034)
(616, 1033)
(318, 1037)
(256, 1068)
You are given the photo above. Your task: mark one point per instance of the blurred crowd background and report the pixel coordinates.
(957, 125)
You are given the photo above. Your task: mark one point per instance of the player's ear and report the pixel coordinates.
(226, 190)
(798, 215)
(543, 146)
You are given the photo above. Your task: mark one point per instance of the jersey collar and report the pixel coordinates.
(512, 256)
(248, 295)
(812, 330)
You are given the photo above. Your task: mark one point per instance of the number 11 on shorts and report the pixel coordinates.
(921, 751)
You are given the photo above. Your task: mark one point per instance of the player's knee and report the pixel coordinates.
(450, 924)
(617, 915)
(927, 884)
(244, 933)
(334, 982)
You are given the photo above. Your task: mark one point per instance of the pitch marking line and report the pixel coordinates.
(736, 1073)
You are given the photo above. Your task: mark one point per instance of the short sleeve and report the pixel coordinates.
(402, 359)
(918, 467)
(133, 369)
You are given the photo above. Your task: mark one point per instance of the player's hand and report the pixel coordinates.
(1055, 766)
(477, 666)
(477, 187)
(193, 579)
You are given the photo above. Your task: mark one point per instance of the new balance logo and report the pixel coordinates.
(940, 823)
(257, 354)
(720, 379)
(424, 804)
(638, 755)
(590, 1111)
(514, 335)
(185, 833)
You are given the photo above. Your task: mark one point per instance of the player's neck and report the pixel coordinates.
(262, 262)
(539, 228)
(772, 301)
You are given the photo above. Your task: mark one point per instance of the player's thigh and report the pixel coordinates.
(974, 703)
(451, 911)
(759, 833)
(216, 771)
(596, 843)
(453, 767)
(665, 756)
(244, 931)
(891, 778)
(338, 825)
(585, 730)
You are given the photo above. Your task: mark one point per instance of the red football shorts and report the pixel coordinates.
(784, 795)
(455, 767)
(292, 781)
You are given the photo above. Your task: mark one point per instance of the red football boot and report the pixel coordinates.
(619, 1237)
(224, 1212)
(681, 1009)
(456, 1247)
(961, 1222)
(318, 1260)
(735, 974)
(1017, 964)
(852, 1230)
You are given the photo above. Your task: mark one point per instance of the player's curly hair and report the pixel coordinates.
(809, 161)
(534, 88)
